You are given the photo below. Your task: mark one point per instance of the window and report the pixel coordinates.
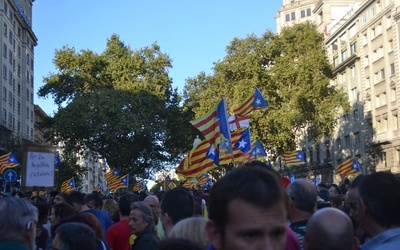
(287, 17)
(353, 48)
(344, 55)
(10, 77)
(382, 74)
(5, 7)
(5, 93)
(5, 50)
(378, 29)
(384, 159)
(338, 143)
(395, 122)
(393, 95)
(27, 94)
(28, 59)
(10, 119)
(355, 115)
(388, 22)
(309, 12)
(353, 71)
(27, 112)
(356, 137)
(364, 18)
(293, 16)
(10, 98)
(347, 141)
(352, 31)
(303, 13)
(335, 62)
(384, 124)
(390, 45)
(4, 115)
(5, 30)
(10, 36)
(19, 108)
(366, 61)
(4, 71)
(354, 94)
(392, 69)
(372, 12)
(10, 56)
(343, 38)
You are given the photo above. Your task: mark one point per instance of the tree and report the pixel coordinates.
(120, 104)
(291, 70)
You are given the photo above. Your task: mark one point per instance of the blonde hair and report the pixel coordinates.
(192, 228)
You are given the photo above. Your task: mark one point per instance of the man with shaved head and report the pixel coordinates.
(154, 204)
(330, 229)
(303, 201)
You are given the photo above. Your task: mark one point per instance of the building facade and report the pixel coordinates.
(362, 42)
(17, 40)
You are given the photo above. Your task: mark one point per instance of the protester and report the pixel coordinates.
(378, 211)
(141, 224)
(93, 222)
(330, 229)
(353, 199)
(111, 207)
(41, 233)
(74, 236)
(58, 213)
(303, 201)
(247, 210)
(94, 201)
(59, 198)
(177, 204)
(117, 235)
(77, 200)
(154, 204)
(192, 228)
(18, 221)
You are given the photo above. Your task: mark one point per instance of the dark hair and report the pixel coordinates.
(77, 236)
(178, 244)
(43, 207)
(64, 210)
(178, 204)
(76, 197)
(95, 198)
(356, 182)
(252, 183)
(303, 194)
(380, 192)
(124, 203)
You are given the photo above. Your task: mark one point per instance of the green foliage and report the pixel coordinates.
(120, 104)
(69, 169)
(292, 72)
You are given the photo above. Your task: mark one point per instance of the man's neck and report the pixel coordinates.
(297, 215)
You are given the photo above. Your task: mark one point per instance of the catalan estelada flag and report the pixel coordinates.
(68, 186)
(140, 186)
(8, 161)
(349, 167)
(121, 182)
(255, 101)
(291, 158)
(111, 175)
(241, 145)
(199, 160)
(214, 126)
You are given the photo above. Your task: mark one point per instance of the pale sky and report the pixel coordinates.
(193, 33)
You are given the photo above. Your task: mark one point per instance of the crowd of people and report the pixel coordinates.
(251, 207)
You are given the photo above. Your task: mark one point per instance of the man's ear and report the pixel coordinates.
(167, 224)
(30, 235)
(214, 235)
(363, 207)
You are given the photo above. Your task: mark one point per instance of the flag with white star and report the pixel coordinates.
(255, 101)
